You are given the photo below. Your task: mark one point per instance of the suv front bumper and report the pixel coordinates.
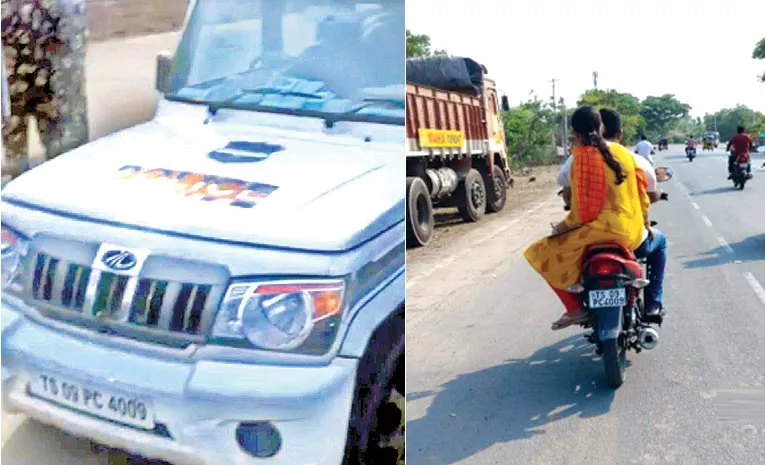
(199, 404)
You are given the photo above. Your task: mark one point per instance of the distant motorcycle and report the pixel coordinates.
(690, 152)
(612, 280)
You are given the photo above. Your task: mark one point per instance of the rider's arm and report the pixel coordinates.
(564, 176)
(564, 180)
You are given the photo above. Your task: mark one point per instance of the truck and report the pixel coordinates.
(224, 284)
(456, 154)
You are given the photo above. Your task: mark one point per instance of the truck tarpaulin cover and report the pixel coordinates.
(446, 73)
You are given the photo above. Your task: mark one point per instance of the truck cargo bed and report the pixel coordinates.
(440, 122)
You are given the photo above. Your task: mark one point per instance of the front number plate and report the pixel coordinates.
(110, 405)
(608, 298)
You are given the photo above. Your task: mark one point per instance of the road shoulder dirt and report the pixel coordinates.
(463, 254)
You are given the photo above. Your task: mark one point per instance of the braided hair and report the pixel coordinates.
(586, 122)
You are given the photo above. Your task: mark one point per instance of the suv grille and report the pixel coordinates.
(177, 307)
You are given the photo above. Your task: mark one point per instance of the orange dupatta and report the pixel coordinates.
(588, 185)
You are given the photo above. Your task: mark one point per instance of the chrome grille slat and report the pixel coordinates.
(91, 291)
(189, 307)
(59, 280)
(41, 275)
(211, 304)
(126, 304)
(113, 286)
(169, 301)
(141, 304)
(179, 308)
(70, 291)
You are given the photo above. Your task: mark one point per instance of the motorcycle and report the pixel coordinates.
(690, 152)
(611, 287)
(663, 145)
(741, 173)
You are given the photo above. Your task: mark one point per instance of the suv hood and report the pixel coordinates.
(234, 182)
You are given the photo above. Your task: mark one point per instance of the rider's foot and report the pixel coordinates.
(749, 176)
(655, 314)
(569, 319)
(730, 176)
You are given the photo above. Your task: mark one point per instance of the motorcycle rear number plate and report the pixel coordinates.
(603, 298)
(743, 165)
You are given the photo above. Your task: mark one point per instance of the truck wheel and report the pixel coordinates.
(497, 190)
(419, 213)
(377, 429)
(470, 197)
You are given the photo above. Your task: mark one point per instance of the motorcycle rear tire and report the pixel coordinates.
(615, 362)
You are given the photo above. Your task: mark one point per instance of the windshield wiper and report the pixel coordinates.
(352, 114)
(213, 107)
(277, 91)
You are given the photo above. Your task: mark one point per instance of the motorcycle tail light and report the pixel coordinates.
(605, 268)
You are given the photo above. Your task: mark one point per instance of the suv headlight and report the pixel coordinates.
(12, 249)
(299, 316)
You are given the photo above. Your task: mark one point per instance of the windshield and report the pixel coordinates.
(319, 57)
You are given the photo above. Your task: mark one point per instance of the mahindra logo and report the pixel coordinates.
(120, 260)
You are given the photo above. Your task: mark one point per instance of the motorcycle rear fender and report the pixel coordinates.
(609, 323)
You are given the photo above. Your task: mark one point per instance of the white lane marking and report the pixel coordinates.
(756, 286)
(695, 205)
(706, 220)
(725, 244)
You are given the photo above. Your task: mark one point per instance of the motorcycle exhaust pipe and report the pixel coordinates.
(648, 338)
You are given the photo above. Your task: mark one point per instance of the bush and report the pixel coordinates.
(530, 134)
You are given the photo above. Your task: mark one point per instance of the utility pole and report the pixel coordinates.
(595, 80)
(555, 107)
(565, 126)
(553, 80)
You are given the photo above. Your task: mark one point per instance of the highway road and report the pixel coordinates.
(488, 382)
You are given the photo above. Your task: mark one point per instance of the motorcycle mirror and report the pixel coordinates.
(663, 173)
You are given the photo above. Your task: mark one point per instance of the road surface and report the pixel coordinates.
(489, 383)
(120, 85)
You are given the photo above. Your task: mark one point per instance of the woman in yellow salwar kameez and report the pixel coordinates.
(605, 206)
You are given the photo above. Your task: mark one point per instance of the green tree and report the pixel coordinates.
(759, 54)
(628, 106)
(729, 118)
(529, 132)
(661, 114)
(418, 45)
(685, 126)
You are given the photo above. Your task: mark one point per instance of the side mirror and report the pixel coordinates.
(663, 173)
(164, 62)
(505, 103)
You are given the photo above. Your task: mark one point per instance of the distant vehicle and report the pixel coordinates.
(713, 136)
(455, 143)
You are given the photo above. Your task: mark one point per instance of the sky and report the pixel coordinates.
(698, 50)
